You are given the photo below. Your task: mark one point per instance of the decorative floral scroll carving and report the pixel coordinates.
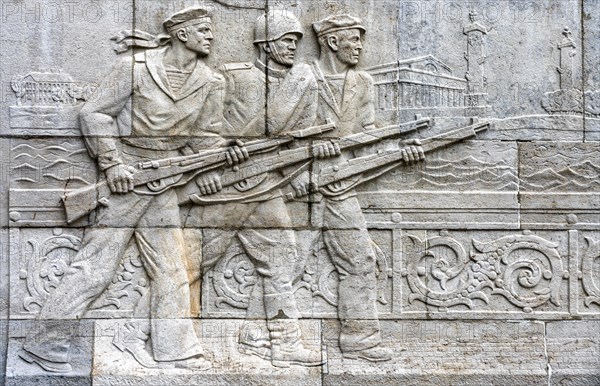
(527, 270)
(130, 278)
(48, 261)
(591, 280)
(234, 276)
(46, 265)
(439, 273)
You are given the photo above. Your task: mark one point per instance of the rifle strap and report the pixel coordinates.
(384, 169)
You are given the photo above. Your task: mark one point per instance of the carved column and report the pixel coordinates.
(475, 58)
(567, 52)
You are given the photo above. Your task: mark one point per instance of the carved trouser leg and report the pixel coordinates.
(269, 243)
(349, 246)
(155, 221)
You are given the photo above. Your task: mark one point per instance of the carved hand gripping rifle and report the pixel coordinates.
(160, 175)
(286, 158)
(330, 179)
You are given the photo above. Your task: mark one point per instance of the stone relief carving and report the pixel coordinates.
(45, 266)
(569, 99)
(47, 100)
(248, 171)
(234, 276)
(525, 269)
(589, 273)
(571, 168)
(180, 81)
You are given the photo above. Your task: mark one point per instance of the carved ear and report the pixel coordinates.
(266, 47)
(182, 35)
(332, 41)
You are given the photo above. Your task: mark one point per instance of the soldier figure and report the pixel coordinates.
(267, 98)
(346, 98)
(166, 99)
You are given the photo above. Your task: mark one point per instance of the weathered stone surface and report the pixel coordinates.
(18, 372)
(448, 352)
(4, 296)
(591, 60)
(355, 251)
(219, 337)
(572, 348)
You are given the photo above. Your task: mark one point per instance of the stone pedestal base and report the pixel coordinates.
(424, 353)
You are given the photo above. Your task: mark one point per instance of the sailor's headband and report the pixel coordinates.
(203, 19)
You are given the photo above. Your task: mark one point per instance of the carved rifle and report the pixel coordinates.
(330, 179)
(286, 158)
(160, 175)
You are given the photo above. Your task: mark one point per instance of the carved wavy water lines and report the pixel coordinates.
(583, 176)
(48, 157)
(467, 172)
(62, 162)
(565, 156)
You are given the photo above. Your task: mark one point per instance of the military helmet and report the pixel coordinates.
(274, 24)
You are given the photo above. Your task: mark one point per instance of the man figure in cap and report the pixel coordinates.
(169, 102)
(346, 98)
(267, 98)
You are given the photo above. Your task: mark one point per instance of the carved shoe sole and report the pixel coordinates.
(261, 352)
(372, 355)
(53, 367)
(198, 364)
(286, 364)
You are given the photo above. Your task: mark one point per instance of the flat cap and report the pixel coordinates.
(188, 16)
(337, 23)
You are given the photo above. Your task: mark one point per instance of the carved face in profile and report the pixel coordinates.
(197, 38)
(349, 45)
(283, 50)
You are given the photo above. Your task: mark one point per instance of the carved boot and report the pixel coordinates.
(286, 346)
(53, 367)
(254, 339)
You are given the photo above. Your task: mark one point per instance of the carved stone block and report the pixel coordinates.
(559, 185)
(299, 192)
(117, 339)
(572, 348)
(497, 352)
(488, 275)
(19, 372)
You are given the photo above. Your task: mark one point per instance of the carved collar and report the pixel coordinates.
(198, 78)
(270, 71)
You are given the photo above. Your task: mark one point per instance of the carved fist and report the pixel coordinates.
(209, 183)
(120, 178)
(413, 153)
(236, 153)
(326, 149)
(302, 185)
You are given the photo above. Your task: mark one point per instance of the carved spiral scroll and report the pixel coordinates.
(234, 276)
(590, 278)
(438, 273)
(529, 270)
(526, 270)
(46, 265)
